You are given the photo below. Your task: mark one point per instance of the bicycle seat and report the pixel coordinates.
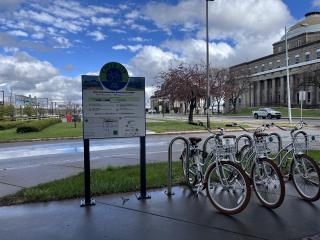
(195, 140)
(260, 134)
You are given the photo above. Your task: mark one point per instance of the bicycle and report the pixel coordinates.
(304, 171)
(226, 184)
(265, 175)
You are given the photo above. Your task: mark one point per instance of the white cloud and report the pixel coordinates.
(150, 61)
(38, 35)
(119, 47)
(137, 39)
(103, 21)
(62, 42)
(118, 31)
(18, 33)
(24, 74)
(316, 3)
(133, 14)
(97, 35)
(134, 48)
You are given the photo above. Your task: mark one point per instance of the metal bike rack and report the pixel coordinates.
(187, 143)
(204, 147)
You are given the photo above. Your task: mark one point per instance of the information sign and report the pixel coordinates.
(113, 104)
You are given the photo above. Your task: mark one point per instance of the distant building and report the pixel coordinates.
(268, 81)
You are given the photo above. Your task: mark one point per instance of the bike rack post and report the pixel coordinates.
(204, 147)
(187, 144)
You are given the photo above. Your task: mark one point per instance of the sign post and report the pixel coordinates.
(113, 107)
(302, 97)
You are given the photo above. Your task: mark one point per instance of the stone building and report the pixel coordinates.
(268, 81)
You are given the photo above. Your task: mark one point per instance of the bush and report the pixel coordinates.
(9, 124)
(36, 126)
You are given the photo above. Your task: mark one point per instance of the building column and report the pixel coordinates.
(252, 95)
(258, 94)
(265, 92)
(281, 91)
(273, 91)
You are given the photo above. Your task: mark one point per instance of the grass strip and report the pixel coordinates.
(103, 181)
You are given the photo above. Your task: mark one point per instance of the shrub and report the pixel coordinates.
(9, 124)
(36, 126)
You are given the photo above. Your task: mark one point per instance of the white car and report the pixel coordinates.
(266, 113)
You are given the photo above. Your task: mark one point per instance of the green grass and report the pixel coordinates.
(315, 155)
(64, 130)
(59, 130)
(103, 181)
(295, 112)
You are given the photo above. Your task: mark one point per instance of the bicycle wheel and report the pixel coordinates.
(193, 179)
(243, 140)
(305, 176)
(243, 158)
(231, 192)
(268, 183)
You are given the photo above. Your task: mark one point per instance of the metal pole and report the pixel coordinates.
(143, 175)
(2, 97)
(288, 78)
(208, 94)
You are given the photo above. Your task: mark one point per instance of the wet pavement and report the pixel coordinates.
(181, 216)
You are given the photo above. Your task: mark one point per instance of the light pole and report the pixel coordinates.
(288, 77)
(208, 94)
(2, 97)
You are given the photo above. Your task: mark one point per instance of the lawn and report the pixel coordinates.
(103, 181)
(59, 130)
(65, 130)
(295, 112)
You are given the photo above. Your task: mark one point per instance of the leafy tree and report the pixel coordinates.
(218, 79)
(29, 111)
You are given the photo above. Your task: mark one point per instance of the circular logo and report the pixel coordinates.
(114, 76)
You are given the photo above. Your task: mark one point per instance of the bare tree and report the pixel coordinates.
(218, 81)
(185, 83)
(310, 77)
(237, 84)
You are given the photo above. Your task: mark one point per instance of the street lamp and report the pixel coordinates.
(2, 97)
(288, 77)
(207, 95)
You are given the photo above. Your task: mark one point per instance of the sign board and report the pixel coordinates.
(113, 104)
(302, 96)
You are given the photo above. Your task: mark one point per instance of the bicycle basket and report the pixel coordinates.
(261, 147)
(225, 147)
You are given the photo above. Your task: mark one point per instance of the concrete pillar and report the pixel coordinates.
(251, 94)
(281, 90)
(258, 94)
(265, 92)
(273, 91)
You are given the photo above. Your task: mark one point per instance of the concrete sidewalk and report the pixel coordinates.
(181, 216)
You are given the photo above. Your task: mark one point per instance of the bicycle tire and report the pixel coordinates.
(240, 206)
(314, 181)
(192, 181)
(243, 161)
(274, 169)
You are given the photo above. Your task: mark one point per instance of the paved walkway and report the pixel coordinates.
(182, 216)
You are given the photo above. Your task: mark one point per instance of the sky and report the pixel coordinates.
(45, 46)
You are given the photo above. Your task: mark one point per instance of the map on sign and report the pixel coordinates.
(113, 110)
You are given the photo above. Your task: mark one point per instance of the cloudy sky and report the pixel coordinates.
(46, 45)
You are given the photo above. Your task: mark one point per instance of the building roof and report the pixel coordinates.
(311, 23)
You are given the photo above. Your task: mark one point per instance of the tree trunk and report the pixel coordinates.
(193, 104)
(218, 102)
(234, 104)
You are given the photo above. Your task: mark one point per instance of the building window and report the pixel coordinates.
(279, 49)
(307, 56)
(297, 59)
(309, 97)
(270, 65)
(278, 63)
(299, 42)
(318, 53)
(256, 69)
(262, 67)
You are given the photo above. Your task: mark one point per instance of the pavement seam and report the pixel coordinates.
(180, 220)
(9, 184)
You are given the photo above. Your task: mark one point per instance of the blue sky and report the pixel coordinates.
(46, 45)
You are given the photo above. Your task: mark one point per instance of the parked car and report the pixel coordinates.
(266, 113)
